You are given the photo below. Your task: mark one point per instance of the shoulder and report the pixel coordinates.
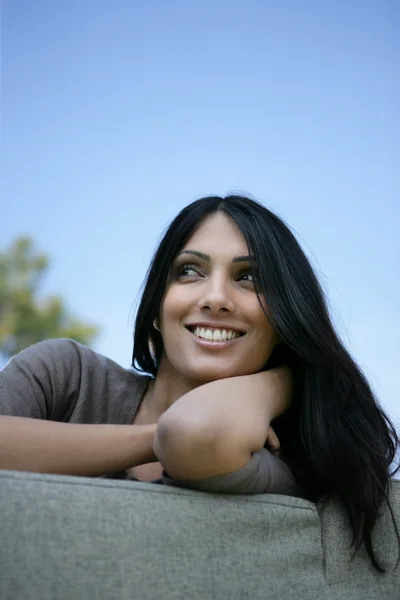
(40, 379)
(65, 358)
(59, 350)
(51, 348)
(62, 354)
(65, 380)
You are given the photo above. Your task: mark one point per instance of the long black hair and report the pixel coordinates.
(336, 438)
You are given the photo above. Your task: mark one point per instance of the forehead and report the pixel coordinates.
(217, 234)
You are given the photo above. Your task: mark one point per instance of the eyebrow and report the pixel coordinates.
(235, 259)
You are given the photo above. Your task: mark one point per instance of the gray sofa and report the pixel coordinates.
(71, 538)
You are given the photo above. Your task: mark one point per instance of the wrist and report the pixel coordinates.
(148, 432)
(279, 382)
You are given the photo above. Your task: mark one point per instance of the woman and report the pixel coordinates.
(235, 334)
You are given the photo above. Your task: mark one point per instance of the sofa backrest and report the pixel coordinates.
(356, 578)
(74, 538)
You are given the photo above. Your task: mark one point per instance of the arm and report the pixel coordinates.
(73, 449)
(215, 428)
(39, 388)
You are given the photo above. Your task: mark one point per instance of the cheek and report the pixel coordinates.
(265, 322)
(172, 307)
(267, 332)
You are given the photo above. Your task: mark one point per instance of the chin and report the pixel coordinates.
(207, 375)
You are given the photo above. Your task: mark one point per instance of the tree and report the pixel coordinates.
(24, 318)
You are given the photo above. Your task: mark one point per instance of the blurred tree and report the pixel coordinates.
(24, 319)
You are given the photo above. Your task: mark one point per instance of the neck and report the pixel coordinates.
(167, 387)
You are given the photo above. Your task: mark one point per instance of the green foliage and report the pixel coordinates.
(24, 318)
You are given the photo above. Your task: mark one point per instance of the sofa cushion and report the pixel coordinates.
(71, 538)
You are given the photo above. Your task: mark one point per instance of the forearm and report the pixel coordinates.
(238, 409)
(73, 449)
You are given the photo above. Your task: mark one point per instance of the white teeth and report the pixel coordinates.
(217, 335)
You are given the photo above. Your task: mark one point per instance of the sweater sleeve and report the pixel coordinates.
(42, 381)
(265, 473)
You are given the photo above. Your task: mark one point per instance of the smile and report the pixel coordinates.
(215, 335)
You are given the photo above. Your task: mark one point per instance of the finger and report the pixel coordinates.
(272, 440)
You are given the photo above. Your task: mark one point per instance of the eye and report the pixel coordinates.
(186, 271)
(248, 277)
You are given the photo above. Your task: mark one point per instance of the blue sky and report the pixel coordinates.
(117, 114)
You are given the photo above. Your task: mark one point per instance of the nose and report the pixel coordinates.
(216, 296)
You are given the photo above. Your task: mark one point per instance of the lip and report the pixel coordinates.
(213, 326)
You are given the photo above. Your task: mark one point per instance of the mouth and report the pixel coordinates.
(214, 334)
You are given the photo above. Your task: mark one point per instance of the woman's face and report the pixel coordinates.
(211, 321)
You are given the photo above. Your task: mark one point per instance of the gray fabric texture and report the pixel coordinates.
(69, 538)
(62, 380)
(343, 572)
(264, 473)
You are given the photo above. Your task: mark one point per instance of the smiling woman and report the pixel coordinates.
(231, 264)
(232, 334)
